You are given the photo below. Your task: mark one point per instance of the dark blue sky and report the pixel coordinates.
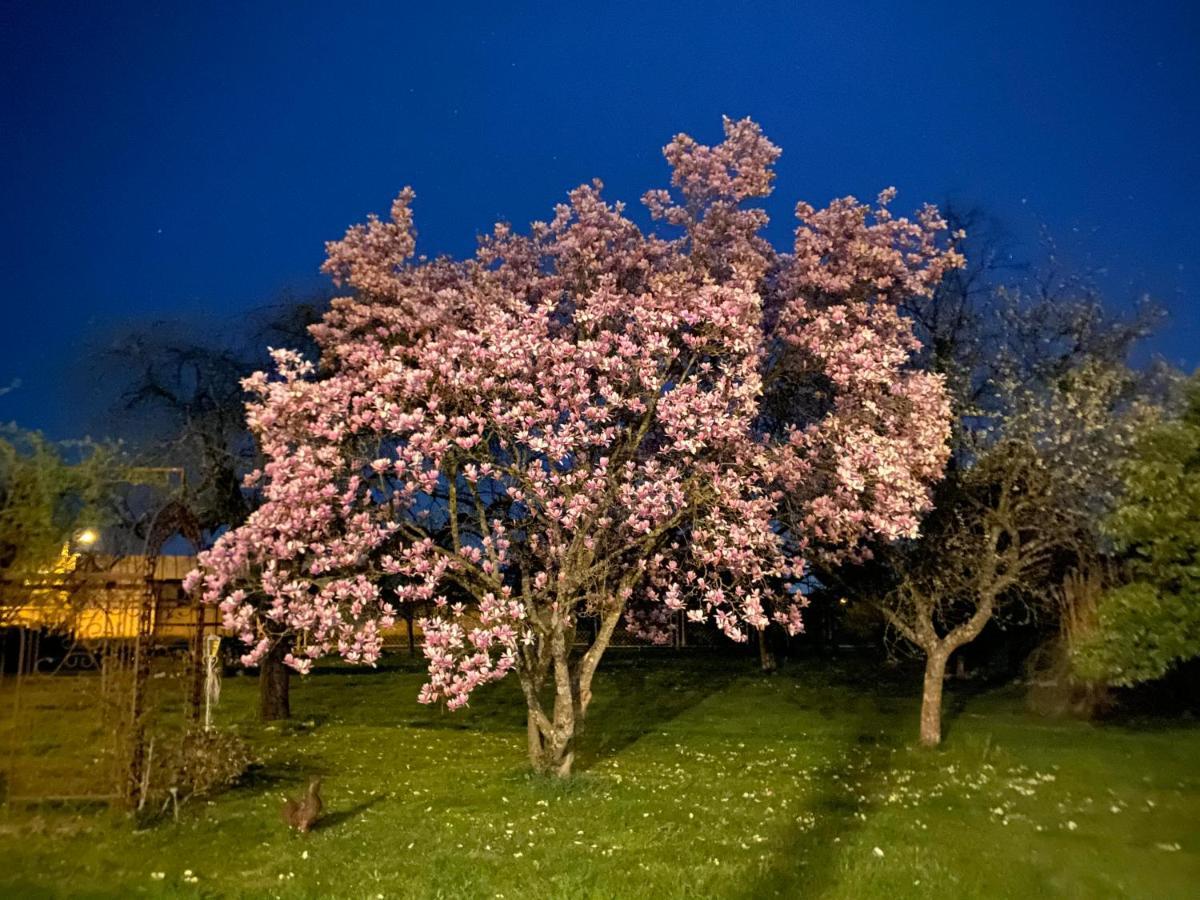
(191, 159)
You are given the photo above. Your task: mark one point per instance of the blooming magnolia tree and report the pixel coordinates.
(587, 422)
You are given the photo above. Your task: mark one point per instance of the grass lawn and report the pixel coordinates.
(698, 778)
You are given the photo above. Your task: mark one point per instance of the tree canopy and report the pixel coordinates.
(49, 497)
(588, 420)
(1152, 623)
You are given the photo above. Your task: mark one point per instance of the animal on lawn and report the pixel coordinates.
(302, 812)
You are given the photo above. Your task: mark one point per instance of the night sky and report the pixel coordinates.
(172, 159)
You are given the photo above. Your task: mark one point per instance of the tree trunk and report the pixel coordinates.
(196, 699)
(274, 682)
(558, 740)
(410, 616)
(552, 749)
(931, 698)
(552, 737)
(765, 657)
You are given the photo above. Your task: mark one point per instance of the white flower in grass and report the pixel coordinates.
(878, 852)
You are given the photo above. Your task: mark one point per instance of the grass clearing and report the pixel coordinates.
(698, 778)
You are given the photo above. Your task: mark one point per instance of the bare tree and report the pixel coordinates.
(179, 402)
(1018, 510)
(997, 530)
(1045, 406)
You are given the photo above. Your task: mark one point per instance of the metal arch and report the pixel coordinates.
(173, 517)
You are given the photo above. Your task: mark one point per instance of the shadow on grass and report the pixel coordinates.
(811, 858)
(639, 695)
(807, 864)
(262, 778)
(956, 697)
(634, 694)
(341, 816)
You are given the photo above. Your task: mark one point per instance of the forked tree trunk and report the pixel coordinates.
(552, 735)
(931, 697)
(920, 631)
(552, 751)
(274, 683)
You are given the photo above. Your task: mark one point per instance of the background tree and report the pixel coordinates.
(1044, 408)
(177, 397)
(1146, 627)
(50, 495)
(180, 403)
(571, 424)
(1004, 528)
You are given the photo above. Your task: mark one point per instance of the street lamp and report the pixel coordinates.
(87, 537)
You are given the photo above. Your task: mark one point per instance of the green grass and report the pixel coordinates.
(699, 778)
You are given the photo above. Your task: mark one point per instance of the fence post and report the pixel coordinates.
(16, 712)
(212, 676)
(199, 652)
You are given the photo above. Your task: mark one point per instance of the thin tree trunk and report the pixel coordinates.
(274, 683)
(931, 698)
(534, 734)
(196, 699)
(765, 657)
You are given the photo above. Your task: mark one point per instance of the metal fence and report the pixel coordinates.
(95, 669)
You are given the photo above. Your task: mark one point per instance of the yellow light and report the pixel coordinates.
(87, 537)
(843, 601)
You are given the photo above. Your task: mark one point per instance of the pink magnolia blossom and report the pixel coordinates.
(587, 419)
